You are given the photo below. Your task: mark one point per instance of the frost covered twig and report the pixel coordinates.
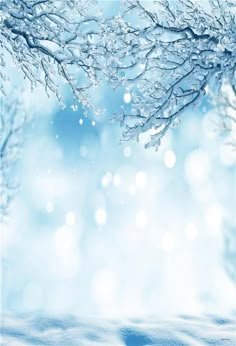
(50, 40)
(167, 60)
(225, 111)
(13, 122)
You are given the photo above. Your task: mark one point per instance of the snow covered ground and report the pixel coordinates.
(71, 331)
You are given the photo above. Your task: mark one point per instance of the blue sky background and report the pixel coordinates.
(110, 229)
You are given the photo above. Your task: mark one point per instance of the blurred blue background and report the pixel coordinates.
(105, 228)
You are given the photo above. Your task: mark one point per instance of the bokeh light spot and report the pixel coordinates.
(70, 218)
(127, 97)
(169, 159)
(107, 179)
(101, 216)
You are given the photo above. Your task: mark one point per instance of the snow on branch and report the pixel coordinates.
(168, 59)
(50, 40)
(225, 120)
(13, 122)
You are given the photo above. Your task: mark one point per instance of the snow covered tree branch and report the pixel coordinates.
(13, 122)
(50, 40)
(167, 60)
(225, 120)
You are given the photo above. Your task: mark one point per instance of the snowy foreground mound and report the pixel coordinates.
(71, 331)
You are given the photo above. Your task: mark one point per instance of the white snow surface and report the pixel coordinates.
(25, 330)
